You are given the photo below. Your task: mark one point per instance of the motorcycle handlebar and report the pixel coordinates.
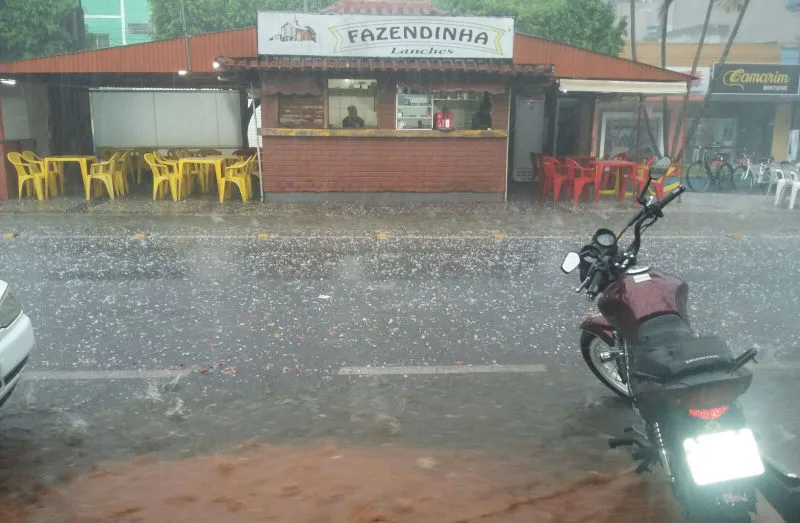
(594, 285)
(671, 196)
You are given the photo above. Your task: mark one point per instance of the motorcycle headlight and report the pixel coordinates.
(10, 309)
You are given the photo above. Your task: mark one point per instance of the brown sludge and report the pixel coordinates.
(337, 484)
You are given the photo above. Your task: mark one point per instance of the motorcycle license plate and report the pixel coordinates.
(723, 456)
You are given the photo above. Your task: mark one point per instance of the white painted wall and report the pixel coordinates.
(165, 119)
(25, 111)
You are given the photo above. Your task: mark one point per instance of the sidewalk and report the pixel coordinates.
(694, 214)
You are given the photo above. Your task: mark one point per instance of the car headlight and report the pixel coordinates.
(10, 309)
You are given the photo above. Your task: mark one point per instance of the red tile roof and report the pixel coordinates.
(168, 56)
(381, 64)
(574, 62)
(385, 7)
(162, 56)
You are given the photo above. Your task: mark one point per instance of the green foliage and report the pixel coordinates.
(589, 24)
(30, 28)
(208, 16)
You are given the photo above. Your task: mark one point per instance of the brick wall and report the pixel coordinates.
(418, 164)
(376, 164)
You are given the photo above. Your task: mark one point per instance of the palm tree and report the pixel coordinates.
(642, 112)
(741, 6)
(663, 13)
(633, 30)
(685, 105)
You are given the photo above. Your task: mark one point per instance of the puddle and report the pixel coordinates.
(330, 483)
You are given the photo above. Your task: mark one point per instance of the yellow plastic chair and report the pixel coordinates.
(239, 174)
(119, 169)
(163, 172)
(104, 173)
(55, 175)
(29, 176)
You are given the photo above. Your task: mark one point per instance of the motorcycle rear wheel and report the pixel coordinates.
(607, 373)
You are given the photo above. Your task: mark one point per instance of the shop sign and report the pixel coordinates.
(699, 86)
(757, 79)
(378, 36)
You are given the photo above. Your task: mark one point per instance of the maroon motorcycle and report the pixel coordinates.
(683, 386)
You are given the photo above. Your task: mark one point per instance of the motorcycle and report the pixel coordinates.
(684, 387)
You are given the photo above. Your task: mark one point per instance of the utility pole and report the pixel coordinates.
(305, 6)
(186, 37)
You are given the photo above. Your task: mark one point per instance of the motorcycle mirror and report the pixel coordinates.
(571, 262)
(659, 168)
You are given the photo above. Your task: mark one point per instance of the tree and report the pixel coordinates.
(664, 15)
(741, 6)
(30, 28)
(589, 24)
(208, 16)
(685, 103)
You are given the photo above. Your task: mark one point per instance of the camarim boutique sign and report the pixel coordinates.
(751, 79)
(378, 36)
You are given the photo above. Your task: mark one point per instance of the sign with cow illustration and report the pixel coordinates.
(376, 36)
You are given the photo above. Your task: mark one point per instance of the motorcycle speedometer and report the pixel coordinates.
(606, 239)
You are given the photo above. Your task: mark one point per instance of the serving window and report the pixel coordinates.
(421, 111)
(352, 103)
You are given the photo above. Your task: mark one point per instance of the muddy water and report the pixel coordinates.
(341, 484)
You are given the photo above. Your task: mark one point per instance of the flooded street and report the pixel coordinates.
(202, 373)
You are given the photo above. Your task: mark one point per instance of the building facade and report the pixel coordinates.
(767, 21)
(117, 22)
(755, 120)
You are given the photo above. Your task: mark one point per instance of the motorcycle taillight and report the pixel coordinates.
(708, 414)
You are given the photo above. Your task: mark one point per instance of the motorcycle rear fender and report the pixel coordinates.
(598, 326)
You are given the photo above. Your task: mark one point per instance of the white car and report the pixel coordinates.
(16, 341)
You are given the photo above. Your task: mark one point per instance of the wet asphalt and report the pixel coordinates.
(261, 326)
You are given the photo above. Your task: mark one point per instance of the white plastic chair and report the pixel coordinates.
(776, 179)
(791, 180)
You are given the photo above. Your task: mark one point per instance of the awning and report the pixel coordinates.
(622, 87)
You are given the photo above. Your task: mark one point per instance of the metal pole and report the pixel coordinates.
(305, 6)
(258, 143)
(122, 22)
(186, 37)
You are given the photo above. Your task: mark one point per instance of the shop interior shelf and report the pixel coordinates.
(414, 117)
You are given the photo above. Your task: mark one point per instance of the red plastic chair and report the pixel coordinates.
(581, 177)
(553, 179)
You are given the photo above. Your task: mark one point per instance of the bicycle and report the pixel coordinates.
(704, 173)
(746, 175)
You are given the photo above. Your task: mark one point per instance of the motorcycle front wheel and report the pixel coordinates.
(592, 349)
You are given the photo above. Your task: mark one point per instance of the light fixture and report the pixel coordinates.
(215, 64)
(8, 81)
(183, 72)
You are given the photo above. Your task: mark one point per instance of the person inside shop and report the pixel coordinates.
(352, 120)
(483, 118)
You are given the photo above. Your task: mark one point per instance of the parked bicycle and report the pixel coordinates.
(747, 176)
(713, 170)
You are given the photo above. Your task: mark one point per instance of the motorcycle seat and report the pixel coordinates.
(667, 349)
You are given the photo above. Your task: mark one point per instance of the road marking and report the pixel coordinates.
(79, 375)
(382, 236)
(393, 370)
(463, 237)
(263, 236)
(499, 236)
(9, 235)
(141, 235)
